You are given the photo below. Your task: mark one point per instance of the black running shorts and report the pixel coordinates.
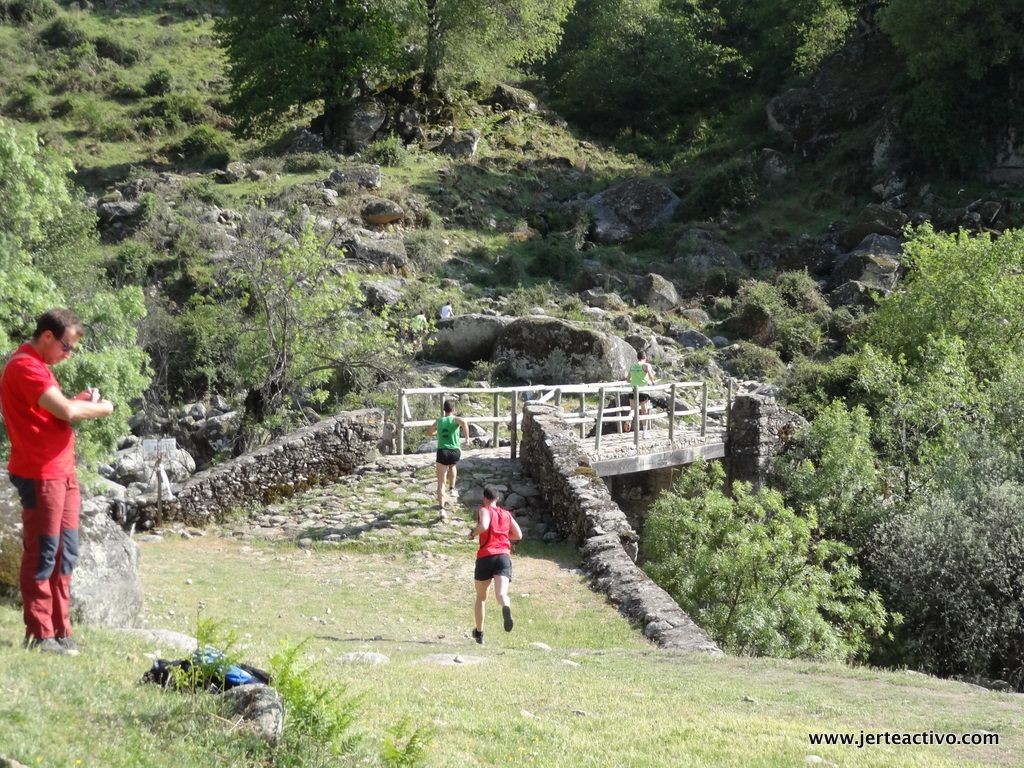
(448, 456)
(493, 565)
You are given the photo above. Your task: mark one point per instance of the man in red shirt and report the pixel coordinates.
(38, 420)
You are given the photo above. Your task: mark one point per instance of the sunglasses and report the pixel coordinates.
(68, 349)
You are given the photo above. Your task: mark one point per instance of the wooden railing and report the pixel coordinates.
(586, 414)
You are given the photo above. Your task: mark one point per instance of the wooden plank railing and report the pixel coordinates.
(597, 415)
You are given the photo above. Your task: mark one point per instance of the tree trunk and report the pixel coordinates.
(435, 43)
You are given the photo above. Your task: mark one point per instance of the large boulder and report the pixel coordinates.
(106, 590)
(378, 211)
(630, 208)
(465, 339)
(699, 253)
(365, 176)
(507, 97)
(551, 351)
(383, 253)
(874, 263)
(874, 220)
(657, 293)
(459, 144)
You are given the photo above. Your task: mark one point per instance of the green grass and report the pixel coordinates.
(601, 697)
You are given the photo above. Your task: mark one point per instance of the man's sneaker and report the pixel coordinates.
(69, 645)
(45, 645)
(478, 635)
(506, 615)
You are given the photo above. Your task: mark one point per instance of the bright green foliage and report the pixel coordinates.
(46, 250)
(953, 566)
(919, 410)
(284, 55)
(296, 321)
(318, 730)
(967, 287)
(453, 42)
(830, 471)
(112, 361)
(35, 193)
(405, 746)
(752, 573)
(788, 315)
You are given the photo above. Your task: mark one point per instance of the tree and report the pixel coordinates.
(295, 319)
(453, 42)
(47, 243)
(830, 471)
(966, 58)
(959, 286)
(284, 55)
(640, 65)
(750, 571)
(953, 565)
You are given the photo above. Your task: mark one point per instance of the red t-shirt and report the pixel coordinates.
(42, 446)
(495, 540)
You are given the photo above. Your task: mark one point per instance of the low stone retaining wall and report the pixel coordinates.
(313, 455)
(583, 508)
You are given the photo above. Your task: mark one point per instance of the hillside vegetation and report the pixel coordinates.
(249, 203)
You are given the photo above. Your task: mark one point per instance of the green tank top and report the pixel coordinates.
(448, 433)
(637, 374)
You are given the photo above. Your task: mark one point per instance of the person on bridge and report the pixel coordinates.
(641, 374)
(38, 418)
(448, 430)
(497, 529)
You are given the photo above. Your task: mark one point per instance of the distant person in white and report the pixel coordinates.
(447, 313)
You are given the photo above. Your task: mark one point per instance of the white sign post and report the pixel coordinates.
(157, 450)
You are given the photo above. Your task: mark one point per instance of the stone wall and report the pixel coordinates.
(759, 429)
(583, 509)
(313, 455)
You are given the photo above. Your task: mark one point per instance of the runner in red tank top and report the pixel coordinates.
(497, 530)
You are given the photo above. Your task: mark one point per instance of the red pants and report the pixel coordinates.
(50, 538)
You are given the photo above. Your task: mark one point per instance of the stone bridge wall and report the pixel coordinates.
(583, 508)
(313, 455)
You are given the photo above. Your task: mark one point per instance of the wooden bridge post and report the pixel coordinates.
(514, 438)
(494, 437)
(704, 410)
(599, 427)
(558, 398)
(636, 418)
(583, 414)
(672, 412)
(728, 407)
(400, 423)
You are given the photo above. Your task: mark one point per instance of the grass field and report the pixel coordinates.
(601, 696)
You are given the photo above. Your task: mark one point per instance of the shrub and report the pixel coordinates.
(554, 258)
(118, 130)
(733, 185)
(28, 103)
(750, 571)
(828, 470)
(159, 82)
(749, 361)
(389, 151)
(177, 108)
(304, 162)
(119, 51)
(64, 32)
(130, 263)
(320, 714)
(27, 11)
(205, 144)
(953, 567)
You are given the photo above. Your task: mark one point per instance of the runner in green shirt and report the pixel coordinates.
(641, 374)
(448, 430)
